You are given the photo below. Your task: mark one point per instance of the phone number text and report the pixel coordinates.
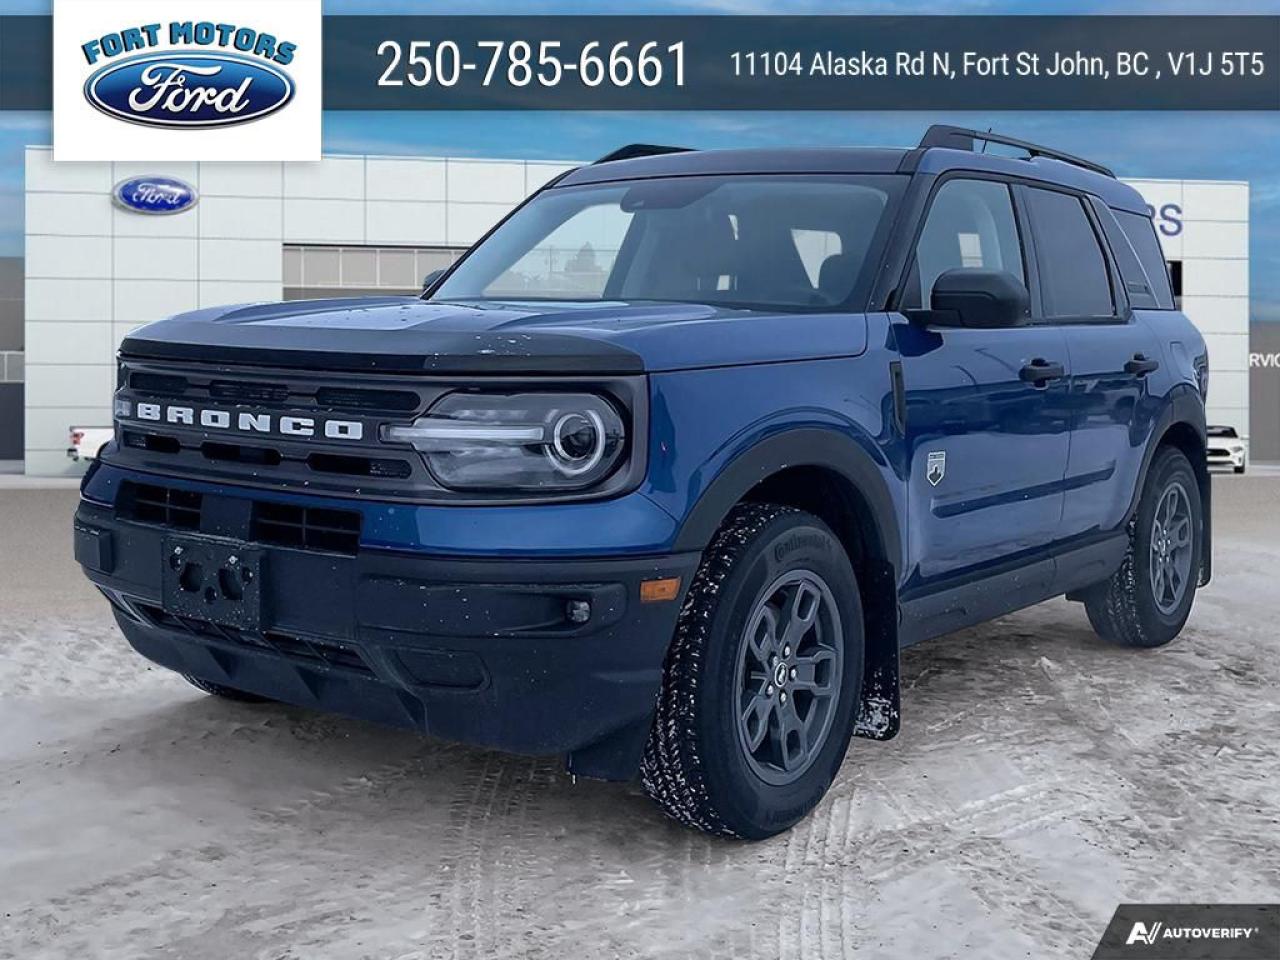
(519, 63)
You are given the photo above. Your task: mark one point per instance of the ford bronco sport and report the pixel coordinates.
(662, 474)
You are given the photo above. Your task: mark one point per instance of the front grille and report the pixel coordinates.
(306, 528)
(355, 398)
(276, 524)
(158, 384)
(165, 506)
(227, 425)
(299, 649)
(299, 395)
(243, 392)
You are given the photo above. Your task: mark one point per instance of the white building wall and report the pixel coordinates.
(95, 272)
(1213, 246)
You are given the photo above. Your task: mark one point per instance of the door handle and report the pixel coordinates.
(1140, 366)
(1040, 371)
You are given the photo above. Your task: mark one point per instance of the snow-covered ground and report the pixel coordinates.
(1041, 777)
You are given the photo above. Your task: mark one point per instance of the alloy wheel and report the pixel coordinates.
(790, 663)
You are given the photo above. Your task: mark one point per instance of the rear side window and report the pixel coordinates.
(1142, 235)
(1074, 280)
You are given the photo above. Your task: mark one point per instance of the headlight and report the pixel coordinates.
(517, 441)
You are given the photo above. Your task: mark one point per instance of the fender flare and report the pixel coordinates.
(1184, 406)
(801, 447)
(879, 711)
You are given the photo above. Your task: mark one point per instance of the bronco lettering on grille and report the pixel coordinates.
(250, 422)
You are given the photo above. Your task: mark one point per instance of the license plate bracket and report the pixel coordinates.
(213, 580)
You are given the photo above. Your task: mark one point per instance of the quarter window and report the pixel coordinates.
(1074, 280)
(1142, 234)
(970, 224)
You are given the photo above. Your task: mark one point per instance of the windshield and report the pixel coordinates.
(767, 241)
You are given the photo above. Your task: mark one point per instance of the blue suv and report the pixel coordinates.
(663, 473)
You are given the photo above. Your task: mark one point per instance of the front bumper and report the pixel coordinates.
(478, 651)
(1226, 457)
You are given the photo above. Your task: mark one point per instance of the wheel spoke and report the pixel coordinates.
(802, 613)
(792, 736)
(1157, 580)
(1182, 532)
(755, 720)
(762, 638)
(815, 672)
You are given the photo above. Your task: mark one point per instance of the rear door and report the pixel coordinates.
(986, 410)
(1111, 351)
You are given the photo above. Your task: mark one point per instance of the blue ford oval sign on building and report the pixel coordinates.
(189, 89)
(155, 195)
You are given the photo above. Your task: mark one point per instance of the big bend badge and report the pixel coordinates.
(936, 467)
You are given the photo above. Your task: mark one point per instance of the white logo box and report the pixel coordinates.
(155, 80)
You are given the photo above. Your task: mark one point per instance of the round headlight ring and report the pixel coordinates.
(559, 455)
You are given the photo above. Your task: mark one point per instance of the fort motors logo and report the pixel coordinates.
(187, 80)
(197, 90)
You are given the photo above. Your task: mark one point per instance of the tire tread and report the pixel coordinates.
(671, 769)
(1112, 606)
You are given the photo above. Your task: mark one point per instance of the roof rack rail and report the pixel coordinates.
(633, 150)
(961, 138)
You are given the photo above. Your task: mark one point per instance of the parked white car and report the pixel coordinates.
(1226, 449)
(87, 441)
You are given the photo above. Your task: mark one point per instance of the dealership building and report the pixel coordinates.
(348, 225)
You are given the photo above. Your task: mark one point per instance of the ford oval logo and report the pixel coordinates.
(160, 195)
(189, 89)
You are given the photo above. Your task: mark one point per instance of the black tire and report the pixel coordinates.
(1124, 609)
(696, 765)
(226, 693)
(1239, 469)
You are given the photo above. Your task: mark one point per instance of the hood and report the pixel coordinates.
(409, 335)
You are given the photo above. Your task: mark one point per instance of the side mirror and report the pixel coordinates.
(979, 299)
(430, 279)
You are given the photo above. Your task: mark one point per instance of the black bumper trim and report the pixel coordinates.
(479, 651)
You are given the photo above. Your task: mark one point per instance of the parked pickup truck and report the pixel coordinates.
(84, 443)
(662, 474)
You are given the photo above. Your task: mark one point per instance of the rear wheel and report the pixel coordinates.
(226, 693)
(762, 678)
(1147, 601)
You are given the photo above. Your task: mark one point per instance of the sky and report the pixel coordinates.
(1175, 145)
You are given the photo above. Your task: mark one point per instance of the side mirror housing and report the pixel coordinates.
(430, 279)
(979, 299)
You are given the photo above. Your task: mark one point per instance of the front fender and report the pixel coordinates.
(799, 447)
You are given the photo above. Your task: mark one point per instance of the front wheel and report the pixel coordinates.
(762, 679)
(1147, 601)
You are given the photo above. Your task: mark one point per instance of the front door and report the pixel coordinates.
(987, 424)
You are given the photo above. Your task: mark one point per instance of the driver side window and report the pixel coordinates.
(970, 224)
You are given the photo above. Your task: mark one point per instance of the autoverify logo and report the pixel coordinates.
(233, 74)
(1191, 931)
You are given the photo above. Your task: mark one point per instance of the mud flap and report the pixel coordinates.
(1206, 528)
(879, 714)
